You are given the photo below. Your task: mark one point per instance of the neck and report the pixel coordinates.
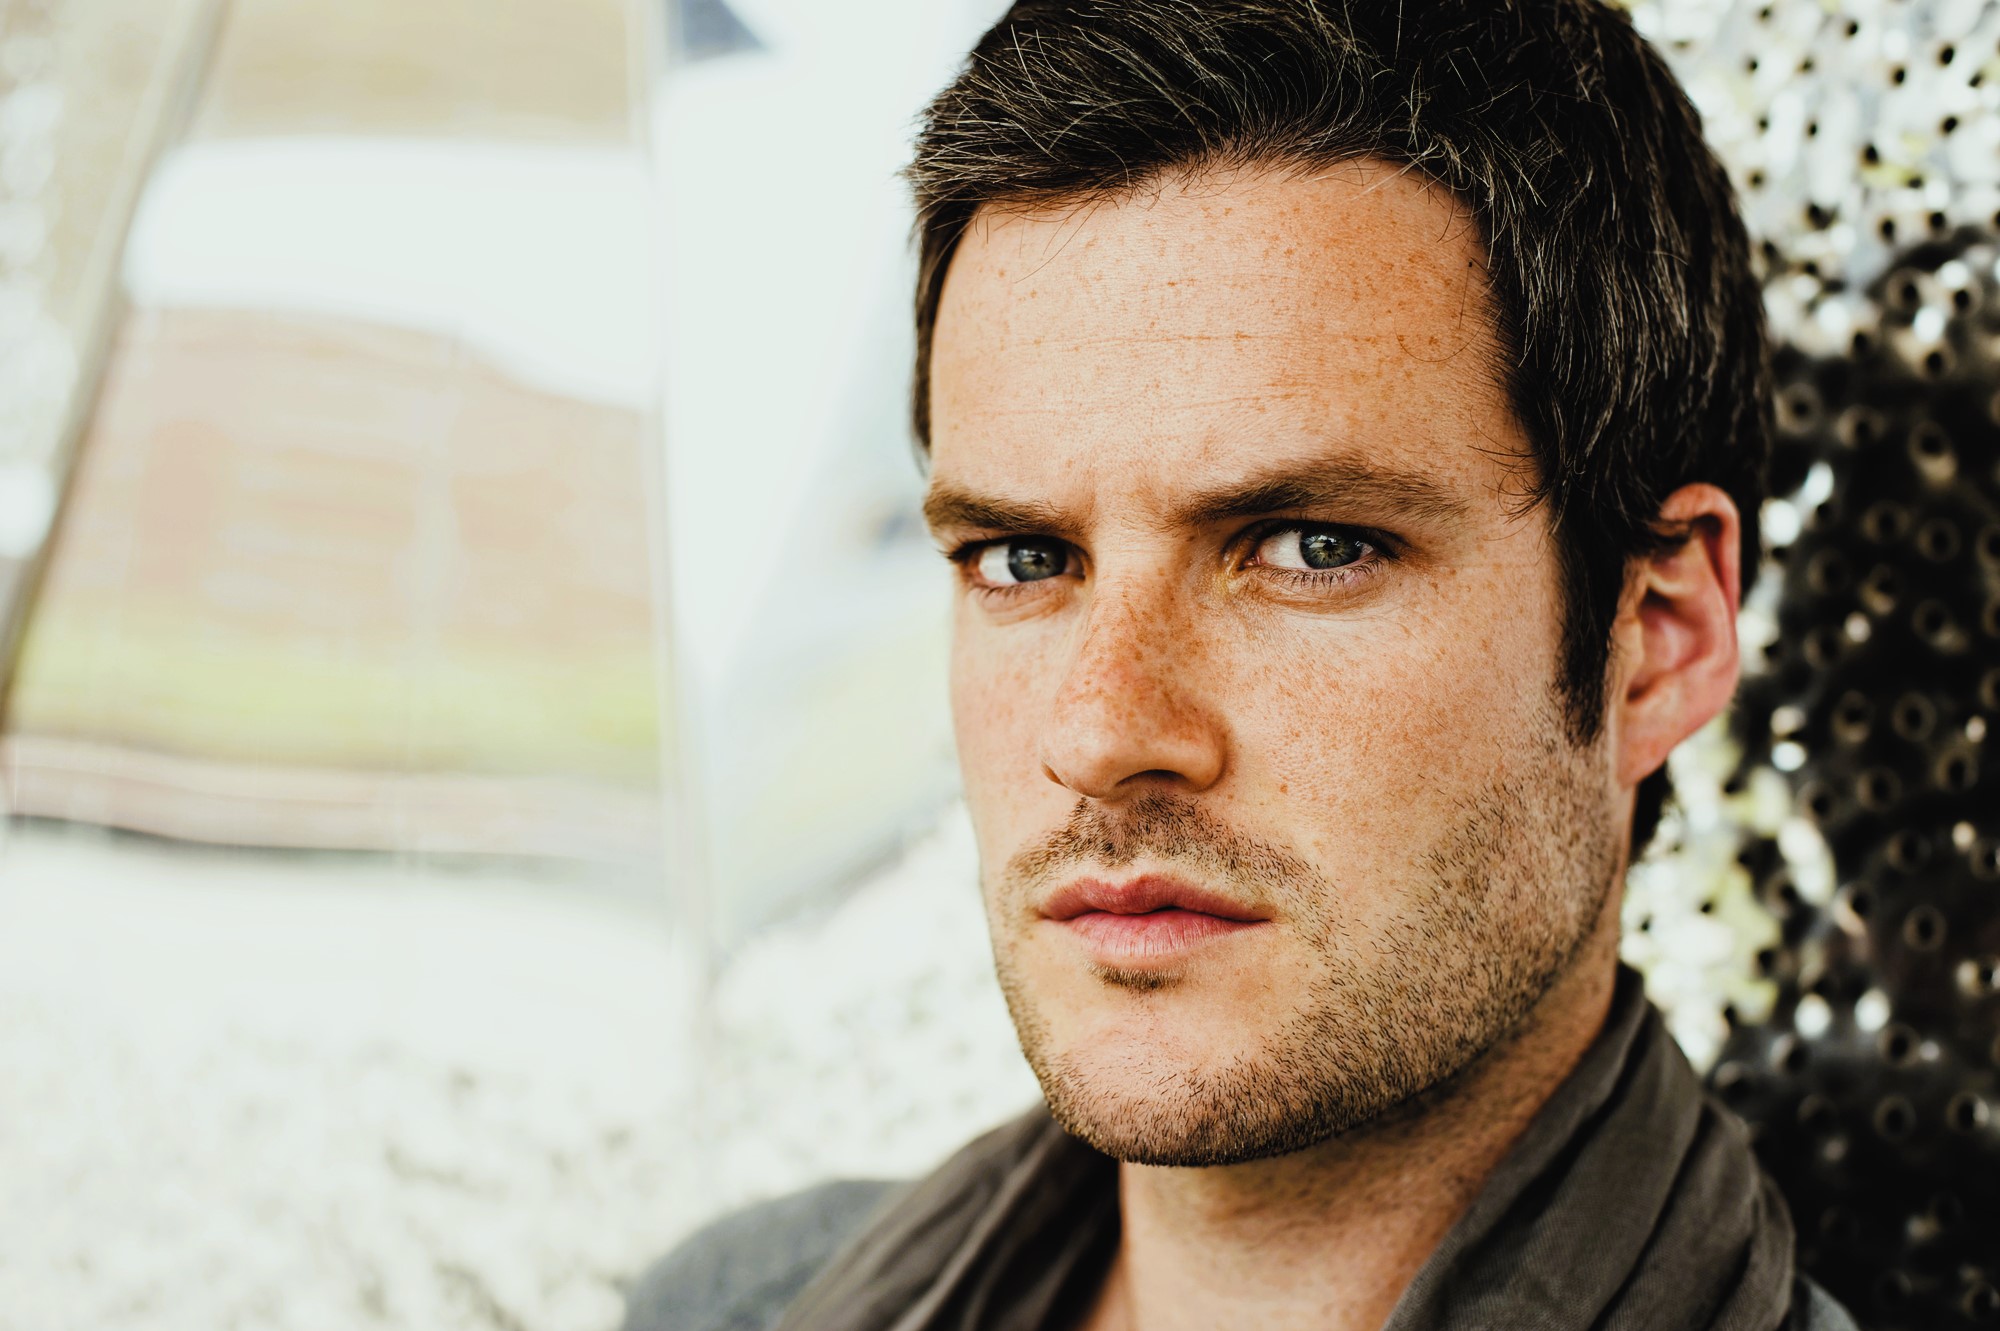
(1329, 1237)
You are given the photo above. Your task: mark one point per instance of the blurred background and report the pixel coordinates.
(477, 776)
(459, 585)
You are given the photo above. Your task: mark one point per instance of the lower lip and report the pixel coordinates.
(1160, 935)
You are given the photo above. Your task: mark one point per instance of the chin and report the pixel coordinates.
(1150, 1075)
(1160, 1112)
(1182, 1073)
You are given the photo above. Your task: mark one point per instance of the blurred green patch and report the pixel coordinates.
(174, 683)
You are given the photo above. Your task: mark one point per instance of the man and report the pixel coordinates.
(1346, 421)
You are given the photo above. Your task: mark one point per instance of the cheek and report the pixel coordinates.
(1369, 743)
(994, 702)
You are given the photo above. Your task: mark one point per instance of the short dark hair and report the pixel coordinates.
(1629, 316)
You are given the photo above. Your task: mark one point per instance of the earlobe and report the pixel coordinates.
(1676, 630)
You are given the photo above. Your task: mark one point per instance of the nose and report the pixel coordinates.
(1129, 715)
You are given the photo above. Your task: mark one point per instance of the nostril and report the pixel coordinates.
(1107, 746)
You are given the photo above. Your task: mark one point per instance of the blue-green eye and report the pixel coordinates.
(1025, 559)
(1312, 549)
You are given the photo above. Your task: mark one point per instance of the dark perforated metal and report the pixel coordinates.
(1873, 1084)
(1821, 919)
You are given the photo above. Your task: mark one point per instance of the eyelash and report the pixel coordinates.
(1381, 550)
(1361, 570)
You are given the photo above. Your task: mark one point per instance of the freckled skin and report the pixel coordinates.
(1177, 339)
(1438, 860)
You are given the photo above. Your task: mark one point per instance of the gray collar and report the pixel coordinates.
(1632, 1202)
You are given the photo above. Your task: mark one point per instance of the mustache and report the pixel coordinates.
(1163, 827)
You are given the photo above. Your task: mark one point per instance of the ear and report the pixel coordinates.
(1674, 644)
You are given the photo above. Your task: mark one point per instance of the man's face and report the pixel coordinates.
(1256, 657)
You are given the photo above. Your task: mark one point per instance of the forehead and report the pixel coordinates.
(1208, 323)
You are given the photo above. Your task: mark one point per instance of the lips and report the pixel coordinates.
(1142, 896)
(1146, 921)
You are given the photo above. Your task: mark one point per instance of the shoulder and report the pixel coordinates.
(742, 1271)
(1815, 1309)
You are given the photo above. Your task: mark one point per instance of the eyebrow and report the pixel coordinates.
(1335, 482)
(1329, 482)
(949, 507)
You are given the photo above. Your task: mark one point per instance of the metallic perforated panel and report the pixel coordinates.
(1822, 918)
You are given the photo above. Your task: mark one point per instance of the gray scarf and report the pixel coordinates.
(1632, 1203)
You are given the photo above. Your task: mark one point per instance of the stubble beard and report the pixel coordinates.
(1507, 898)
